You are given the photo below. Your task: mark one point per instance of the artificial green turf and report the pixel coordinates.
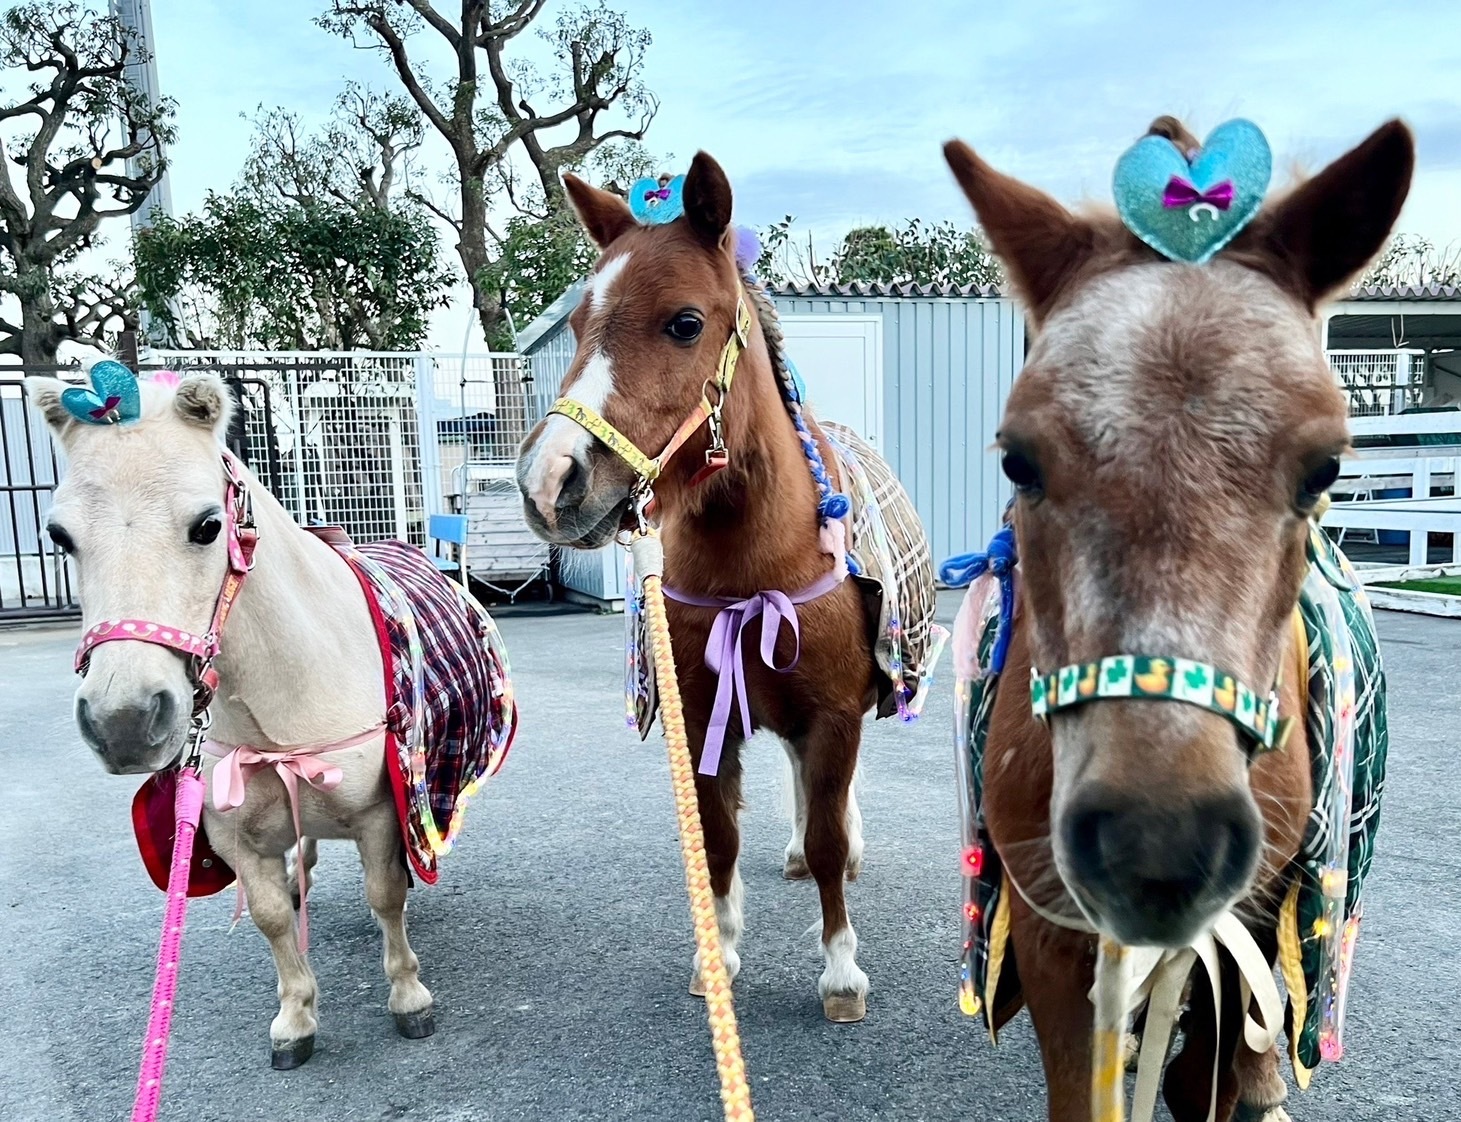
(1446, 586)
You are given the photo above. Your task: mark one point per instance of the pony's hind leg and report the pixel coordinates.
(794, 864)
(386, 884)
(794, 867)
(292, 1033)
(306, 856)
(829, 758)
(719, 798)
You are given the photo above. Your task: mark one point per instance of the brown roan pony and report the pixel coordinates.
(650, 328)
(1169, 437)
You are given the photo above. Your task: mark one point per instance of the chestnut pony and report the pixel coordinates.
(651, 329)
(1169, 438)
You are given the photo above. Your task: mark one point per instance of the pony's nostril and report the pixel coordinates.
(572, 486)
(162, 715)
(84, 721)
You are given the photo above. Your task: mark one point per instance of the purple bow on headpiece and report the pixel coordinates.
(1181, 193)
(662, 194)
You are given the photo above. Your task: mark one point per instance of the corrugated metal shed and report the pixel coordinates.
(950, 355)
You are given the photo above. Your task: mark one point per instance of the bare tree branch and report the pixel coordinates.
(485, 118)
(74, 166)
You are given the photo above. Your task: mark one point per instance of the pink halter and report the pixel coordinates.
(199, 650)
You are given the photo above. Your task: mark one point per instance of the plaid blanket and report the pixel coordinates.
(894, 569)
(450, 712)
(1349, 740)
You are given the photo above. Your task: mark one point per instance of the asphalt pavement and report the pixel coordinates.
(558, 942)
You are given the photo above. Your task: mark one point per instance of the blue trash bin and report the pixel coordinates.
(1393, 537)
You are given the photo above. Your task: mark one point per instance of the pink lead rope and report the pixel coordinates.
(188, 810)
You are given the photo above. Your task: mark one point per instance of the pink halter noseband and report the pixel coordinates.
(199, 651)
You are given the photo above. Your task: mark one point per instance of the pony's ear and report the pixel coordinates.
(1329, 227)
(707, 194)
(202, 400)
(1041, 243)
(45, 398)
(604, 214)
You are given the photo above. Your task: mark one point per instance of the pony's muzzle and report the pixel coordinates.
(1157, 872)
(570, 497)
(134, 732)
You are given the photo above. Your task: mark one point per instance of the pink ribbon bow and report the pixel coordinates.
(1181, 193)
(238, 764)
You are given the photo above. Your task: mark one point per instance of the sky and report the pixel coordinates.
(835, 112)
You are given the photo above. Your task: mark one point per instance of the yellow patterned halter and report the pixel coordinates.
(648, 469)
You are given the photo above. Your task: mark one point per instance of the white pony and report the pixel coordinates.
(141, 513)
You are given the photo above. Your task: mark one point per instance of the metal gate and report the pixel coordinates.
(335, 437)
(34, 582)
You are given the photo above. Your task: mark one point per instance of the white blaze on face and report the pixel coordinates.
(602, 282)
(562, 441)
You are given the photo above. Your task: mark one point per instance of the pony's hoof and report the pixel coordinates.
(796, 869)
(697, 985)
(292, 1053)
(416, 1026)
(844, 1008)
(1246, 1113)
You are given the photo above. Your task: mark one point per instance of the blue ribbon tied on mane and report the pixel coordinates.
(999, 558)
(113, 399)
(1189, 205)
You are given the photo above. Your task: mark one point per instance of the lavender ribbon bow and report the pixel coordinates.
(725, 656)
(1181, 193)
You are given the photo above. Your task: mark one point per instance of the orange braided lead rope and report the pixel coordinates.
(725, 1037)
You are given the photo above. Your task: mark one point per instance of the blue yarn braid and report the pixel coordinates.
(1000, 559)
(830, 503)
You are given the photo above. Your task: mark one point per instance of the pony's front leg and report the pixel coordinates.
(386, 884)
(1261, 1089)
(266, 885)
(828, 756)
(1057, 967)
(719, 799)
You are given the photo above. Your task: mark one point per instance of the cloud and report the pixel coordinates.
(835, 110)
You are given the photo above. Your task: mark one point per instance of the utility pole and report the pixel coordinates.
(135, 18)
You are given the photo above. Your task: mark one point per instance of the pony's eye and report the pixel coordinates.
(685, 327)
(205, 531)
(1319, 480)
(61, 539)
(1020, 470)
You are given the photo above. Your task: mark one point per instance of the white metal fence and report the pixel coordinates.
(1379, 383)
(376, 441)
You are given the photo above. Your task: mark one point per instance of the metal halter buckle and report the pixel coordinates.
(193, 748)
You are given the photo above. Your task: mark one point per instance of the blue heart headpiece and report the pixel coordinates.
(1189, 205)
(113, 399)
(657, 201)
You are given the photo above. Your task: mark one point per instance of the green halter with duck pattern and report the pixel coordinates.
(1156, 678)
